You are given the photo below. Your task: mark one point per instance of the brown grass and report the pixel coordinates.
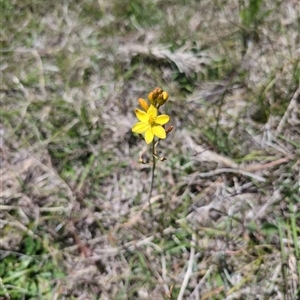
(74, 214)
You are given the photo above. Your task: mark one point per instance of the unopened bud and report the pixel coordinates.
(158, 90)
(144, 105)
(155, 93)
(165, 96)
(161, 100)
(169, 129)
(151, 98)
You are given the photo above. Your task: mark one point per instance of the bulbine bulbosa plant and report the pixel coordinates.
(152, 125)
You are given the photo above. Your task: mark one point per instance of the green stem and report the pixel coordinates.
(152, 177)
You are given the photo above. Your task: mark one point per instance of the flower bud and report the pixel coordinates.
(158, 90)
(162, 98)
(155, 93)
(151, 98)
(169, 129)
(165, 96)
(144, 105)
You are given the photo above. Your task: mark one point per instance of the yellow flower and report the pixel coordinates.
(150, 124)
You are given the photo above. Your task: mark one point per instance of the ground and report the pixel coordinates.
(223, 217)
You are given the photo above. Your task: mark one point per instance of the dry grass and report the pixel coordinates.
(74, 215)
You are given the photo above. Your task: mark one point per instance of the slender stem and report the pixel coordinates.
(152, 177)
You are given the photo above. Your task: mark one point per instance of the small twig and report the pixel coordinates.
(257, 167)
(236, 171)
(189, 270)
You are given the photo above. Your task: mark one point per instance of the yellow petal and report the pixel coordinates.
(149, 136)
(159, 131)
(162, 119)
(140, 127)
(152, 111)
(141, 115)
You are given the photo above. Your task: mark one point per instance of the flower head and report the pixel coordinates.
(158, 97)
(150, 124)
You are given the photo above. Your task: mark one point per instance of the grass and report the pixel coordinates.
(74, 215)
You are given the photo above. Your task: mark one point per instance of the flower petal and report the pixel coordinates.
(140, 127)
(149, 136)
(159, 131)
(141, 115)
(162, 119)
(152, 111)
